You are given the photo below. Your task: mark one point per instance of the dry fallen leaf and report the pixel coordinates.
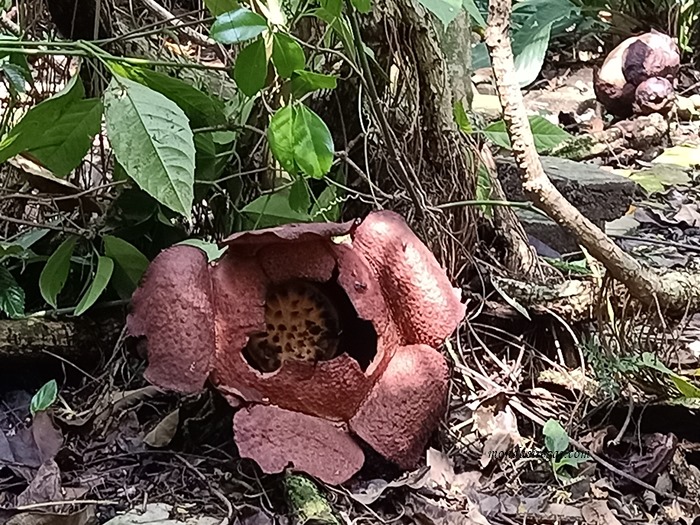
(164, 432)
(597, 512)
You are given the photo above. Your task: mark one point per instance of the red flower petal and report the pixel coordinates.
(274, 438)
(425, 307)
(173, 310)
(405, 405)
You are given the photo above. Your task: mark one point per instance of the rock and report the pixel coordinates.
(600, 195)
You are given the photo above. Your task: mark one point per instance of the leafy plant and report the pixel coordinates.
(556, 441)
(176, 148)
(546, 134)
(44, 398)
(536, 24)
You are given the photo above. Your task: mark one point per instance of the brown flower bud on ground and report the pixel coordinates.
(634, 61)
(654, 95)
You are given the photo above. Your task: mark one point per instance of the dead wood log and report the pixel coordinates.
(647, 134)
(43, 346)
(676, 292)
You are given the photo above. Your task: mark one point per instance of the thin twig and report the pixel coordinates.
(213, 490)
(43, 505)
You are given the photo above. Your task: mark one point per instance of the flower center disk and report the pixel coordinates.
(301, 324)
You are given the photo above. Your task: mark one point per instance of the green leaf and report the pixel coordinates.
(129, 265)
(30, 237)
(445, 10)
(363, 6)
(8, 249)
(211, 249)
(219, 7)
(299, 198)
(54, 275)
(250, 70)
(471, 8)
(68, 139)
(39, 121)
(237, 26)
(287, 55)
(11, 295)
(304, 82)
(300, 140)
(685, 387)
(105, 267)
(14, 75)
(555, 437)
(531, 40)
(44, 398)
(461, 118)
(332, 7)
(313, 144)
(152, 140)
(280, 135)
(201, 109)
(273, 210)
(546, 134)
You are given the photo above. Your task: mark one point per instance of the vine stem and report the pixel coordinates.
(87, 50)
(381, 117)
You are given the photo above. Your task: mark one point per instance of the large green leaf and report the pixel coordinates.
(332, 7)
(273, 210)
(301, 141)
(445, 10)
(105, 267)
(237, 26)
(363, 6)
(250, 69)
(11, 295)
(219, 7)
(54, 275)
(152, 140)
(129, 265)
(531, 40)
(313, 144)
(546, 134)
(68, 139)
(201, 109)
(287, 55)
(299, 197)
(304, 82)
(48, 129)
(473, 10)
(280, 135)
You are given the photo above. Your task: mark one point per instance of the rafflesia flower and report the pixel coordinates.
(367, 297)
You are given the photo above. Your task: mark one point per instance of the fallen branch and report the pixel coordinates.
(674, 291)
(645, 133)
